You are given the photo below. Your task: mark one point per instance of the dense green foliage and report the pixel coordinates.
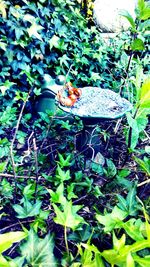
(57, 206)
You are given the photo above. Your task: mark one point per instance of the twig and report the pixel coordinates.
(15, 224)
(117, 125)
(68, 73)
(13, 141)
(17, 176)
(36, 166)
(144, 182)
(79, 199)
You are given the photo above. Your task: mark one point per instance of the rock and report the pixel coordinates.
(106, 14)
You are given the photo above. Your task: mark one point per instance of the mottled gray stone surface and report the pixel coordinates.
(106, 14)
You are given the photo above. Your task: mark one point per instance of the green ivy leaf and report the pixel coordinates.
(57, 197)
(119, 243)
(54, 41)
(28, 209)
(5, 86)
(33, 31)
(143, 262)
(111, 220)
(64, 162)
(130, 260)
(62, 175)
(134, 228)
(111, 168)
(7, 240)
(68, 217)
(38, 251)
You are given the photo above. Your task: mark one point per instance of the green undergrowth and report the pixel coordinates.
(61, 203)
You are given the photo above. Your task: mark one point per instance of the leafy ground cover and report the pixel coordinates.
(57, 207)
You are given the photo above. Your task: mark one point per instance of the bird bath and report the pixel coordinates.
(94, 107)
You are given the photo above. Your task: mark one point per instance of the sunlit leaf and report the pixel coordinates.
(28, 209)
(143, 262)
(130, 261)
(145, 94)
(130, 19)
(3, 8)
(68, 217)
(137, 45)
(7, 240)
(111, 220)
(33, 30)
(38, 251)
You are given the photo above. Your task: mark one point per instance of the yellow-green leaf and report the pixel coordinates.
(145, 94)
(6, 240)
(33, 30)
(130, 261)
(3, 8)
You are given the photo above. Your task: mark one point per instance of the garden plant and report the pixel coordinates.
(56, 207)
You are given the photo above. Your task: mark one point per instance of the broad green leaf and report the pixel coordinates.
(126, 14)
(131, 201)
(119, 257)
(57, 197)
(33, 31)
(145, 94)
(68, 217)
(143, 10)
(62, 175)
(142, 121)
(144, 164)
(118, 243)
(111, 168)
(141, 4)
(112, 220)
(5, 263)
(3, 166)
(146, 14)
(54, 41)
(28, 209)
(3, 46)
(64, 162)
(135, 131)
(134, 228)
(147, 149)
(29, 18)
(7, 240)
(122, 203)
(130, 261)
(5, 86)
(38, 251)
(137, 45)
(3, 8)
(143, 262)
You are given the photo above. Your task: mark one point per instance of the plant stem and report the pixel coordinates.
(66, 241)
(36, 167)
(127, 71)
(130, 129)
